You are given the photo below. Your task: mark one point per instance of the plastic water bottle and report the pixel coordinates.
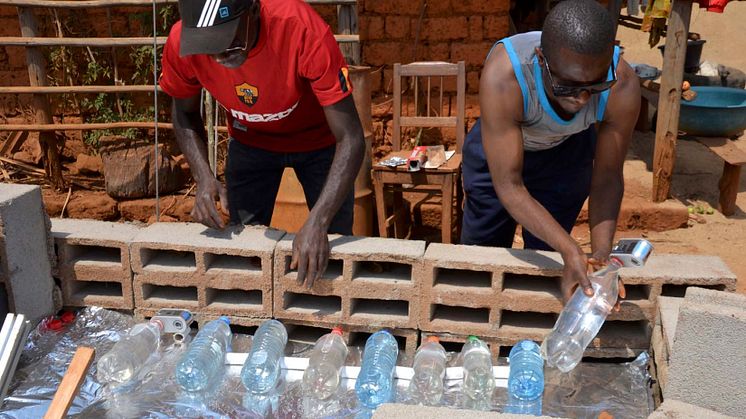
(526, 378)
(262, 367)
(581, 319)
(478, 380)
(126, 357)
(375, 382)
(429, 366)
(204, 360)
(322, 376)
(523, 407)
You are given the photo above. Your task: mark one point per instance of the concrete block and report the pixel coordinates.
(369, 282)
(405, 411)
(25, 268)
(160, 291)
(220, 272)
(94, 262)
(675, 273)
(674, 409)
(708, 360)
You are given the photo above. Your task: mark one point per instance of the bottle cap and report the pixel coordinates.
(225, 320)
(433, 339)
(337, 331)
(472, 338)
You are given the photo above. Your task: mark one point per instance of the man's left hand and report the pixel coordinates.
(310, 253)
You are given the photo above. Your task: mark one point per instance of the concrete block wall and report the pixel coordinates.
(25, 254)
(369, 282)
(513, 294)
(207, 271)
(94, 262)
(708, 360)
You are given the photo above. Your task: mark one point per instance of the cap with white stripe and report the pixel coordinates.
(209, 26)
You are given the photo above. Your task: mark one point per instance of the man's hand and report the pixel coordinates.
(204, 211)
(310, 252)
(575, 273)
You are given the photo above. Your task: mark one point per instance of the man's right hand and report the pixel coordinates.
(575, 273)
(209, 191)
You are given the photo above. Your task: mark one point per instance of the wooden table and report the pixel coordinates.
(447, 177)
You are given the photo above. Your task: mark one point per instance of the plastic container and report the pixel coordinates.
(581, 319)
(262, 367)
(526, 378)
(479, 382)
(321, 378)
(127, 357)
(204, 361)
(375, 382)
(429, 367)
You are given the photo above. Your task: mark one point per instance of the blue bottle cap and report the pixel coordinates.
(226, 320)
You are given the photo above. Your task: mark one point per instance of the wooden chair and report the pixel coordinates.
(446, 179)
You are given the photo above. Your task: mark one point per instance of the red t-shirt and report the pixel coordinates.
(274, 99)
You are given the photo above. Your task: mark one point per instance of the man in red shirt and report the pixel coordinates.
(277, 70)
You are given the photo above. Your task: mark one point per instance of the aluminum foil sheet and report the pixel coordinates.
(622, 390)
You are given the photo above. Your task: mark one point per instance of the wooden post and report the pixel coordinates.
(669, 101)
(728, 186)
(37, 74)
(347, 25)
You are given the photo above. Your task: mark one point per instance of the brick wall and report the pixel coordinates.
(450, 30)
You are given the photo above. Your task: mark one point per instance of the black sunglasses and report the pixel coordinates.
(575, 91)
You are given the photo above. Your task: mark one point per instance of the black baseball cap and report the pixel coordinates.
(209, 26)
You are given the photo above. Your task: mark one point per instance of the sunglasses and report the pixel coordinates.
(575, 91)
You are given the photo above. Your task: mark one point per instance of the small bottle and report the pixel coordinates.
(204, 360)
(429, 367)
(526, 378)
(322, 376)
(126, 357)
(375, 382)
(581, 319)
(479, 382)
(262, 367)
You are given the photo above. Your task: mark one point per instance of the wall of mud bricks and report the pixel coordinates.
(369, 282)
(452, 291)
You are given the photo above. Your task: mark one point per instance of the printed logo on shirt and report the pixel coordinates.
(263, 117)
(344, 79)
(247, 93)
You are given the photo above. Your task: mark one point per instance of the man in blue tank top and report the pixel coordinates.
(558, 110)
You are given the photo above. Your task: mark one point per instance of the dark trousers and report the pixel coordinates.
(253, 179)
(558, 178)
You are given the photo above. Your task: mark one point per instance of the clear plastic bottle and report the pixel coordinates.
(479, 382)
(126, 357)
(322, 376)
(205, 358)
(429, 367)
(261, 370)
(581, 319)
(375, 382)
(526, 378)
